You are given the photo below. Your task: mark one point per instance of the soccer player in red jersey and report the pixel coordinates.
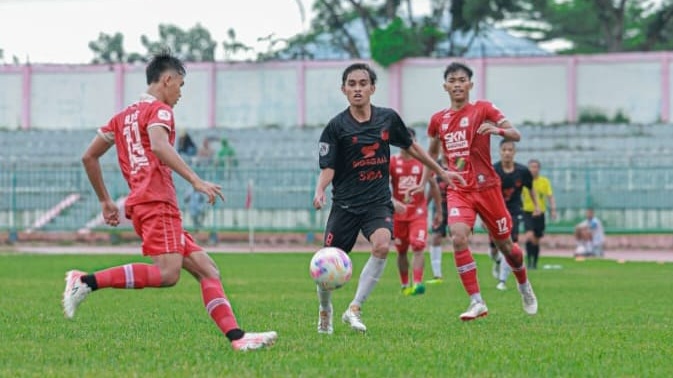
(144, 134)
(354, 157)
(463, 132)
(410, 221)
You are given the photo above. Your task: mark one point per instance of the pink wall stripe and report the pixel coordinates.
(394, 93)
(481, 79)
(665, 115)
(571, 94)
(212, 90)
(26, 81)
(301, 93)
(119, 87)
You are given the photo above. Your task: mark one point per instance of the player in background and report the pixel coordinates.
(410, 221)
(354, 157)
(439, 231)
(513, 178)
(463, 132)
(535, 225)
(144, 134)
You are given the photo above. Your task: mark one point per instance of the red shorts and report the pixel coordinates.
(159, 226)
(463, 207)
(412, 232)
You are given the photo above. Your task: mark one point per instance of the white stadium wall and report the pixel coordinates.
(11, 99)
(531, 93)
(543, 90)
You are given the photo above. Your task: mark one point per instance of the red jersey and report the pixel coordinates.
(406, 174)
(148, 178)
(467, 152)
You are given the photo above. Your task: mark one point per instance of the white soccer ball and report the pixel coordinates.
(331, 268)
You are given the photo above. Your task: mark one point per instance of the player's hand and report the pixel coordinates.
(319, 199)
(209, 189)
(400, 208)
(451, 177)
(437, 219)
(487, 128)
(537, 212)
(110, 213)
(553, 214)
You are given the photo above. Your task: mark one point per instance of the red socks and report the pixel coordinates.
(217, 304)
(129, 276)
(515, 261)
(467, 269)
(418, 276)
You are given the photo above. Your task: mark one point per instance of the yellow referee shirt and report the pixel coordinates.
(543, 189)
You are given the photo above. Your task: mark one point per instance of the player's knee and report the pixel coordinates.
(459, 241)
(170, 277)
(418, 245)
(380, 249)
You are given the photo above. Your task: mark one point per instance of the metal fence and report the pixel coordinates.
(59, 198)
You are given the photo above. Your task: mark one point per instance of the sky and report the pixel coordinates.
(59, 31)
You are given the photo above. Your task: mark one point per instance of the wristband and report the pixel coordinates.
(501, 132)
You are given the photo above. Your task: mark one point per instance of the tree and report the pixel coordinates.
(193, 45)
(108, 48)
(232, 46)
(593, 26)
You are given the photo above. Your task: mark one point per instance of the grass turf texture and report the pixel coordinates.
(597, 318)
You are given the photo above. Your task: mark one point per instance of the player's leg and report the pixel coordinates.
(505, 269)
(341, 231)
(495, 256)
(418, 240)
(461, 219)
(401, 229)
(539, 225)
(498, 221)
(204, 269)
(529, 235)
(438, 234)
(153, 223)
(377, 227)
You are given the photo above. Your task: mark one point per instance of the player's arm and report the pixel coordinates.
(552, 206)
(164, 151)
(436, 196)
(91, 162)
(424, 157)
(528, 184)
(324, 179)
(503, 128)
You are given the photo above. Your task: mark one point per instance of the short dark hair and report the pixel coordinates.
(359, 66)
(162, 62)
(503, 141)
(531, 161)
(455, 67)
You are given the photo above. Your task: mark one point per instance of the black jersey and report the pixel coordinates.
(512, 184)
(359, 153)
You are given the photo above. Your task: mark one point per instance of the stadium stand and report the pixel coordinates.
(613, 166)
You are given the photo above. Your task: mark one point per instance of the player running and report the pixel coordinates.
(463, 132)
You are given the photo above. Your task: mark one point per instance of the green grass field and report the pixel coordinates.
(597, 318)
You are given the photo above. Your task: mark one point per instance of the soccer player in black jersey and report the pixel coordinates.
(354, 156)
(513, 178)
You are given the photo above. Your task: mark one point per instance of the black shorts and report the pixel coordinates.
(536, 224)
(442, 227)
(343, 226)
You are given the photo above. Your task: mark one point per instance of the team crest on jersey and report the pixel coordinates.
(398, 171)
(415, 170)
(464, 122)
(354, 140)
(385, 135)
(445, 126)
(324, 149)
(164, 115)
(481, 178)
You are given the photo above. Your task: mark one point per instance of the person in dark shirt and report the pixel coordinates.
(513, 178)
(354, 156)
